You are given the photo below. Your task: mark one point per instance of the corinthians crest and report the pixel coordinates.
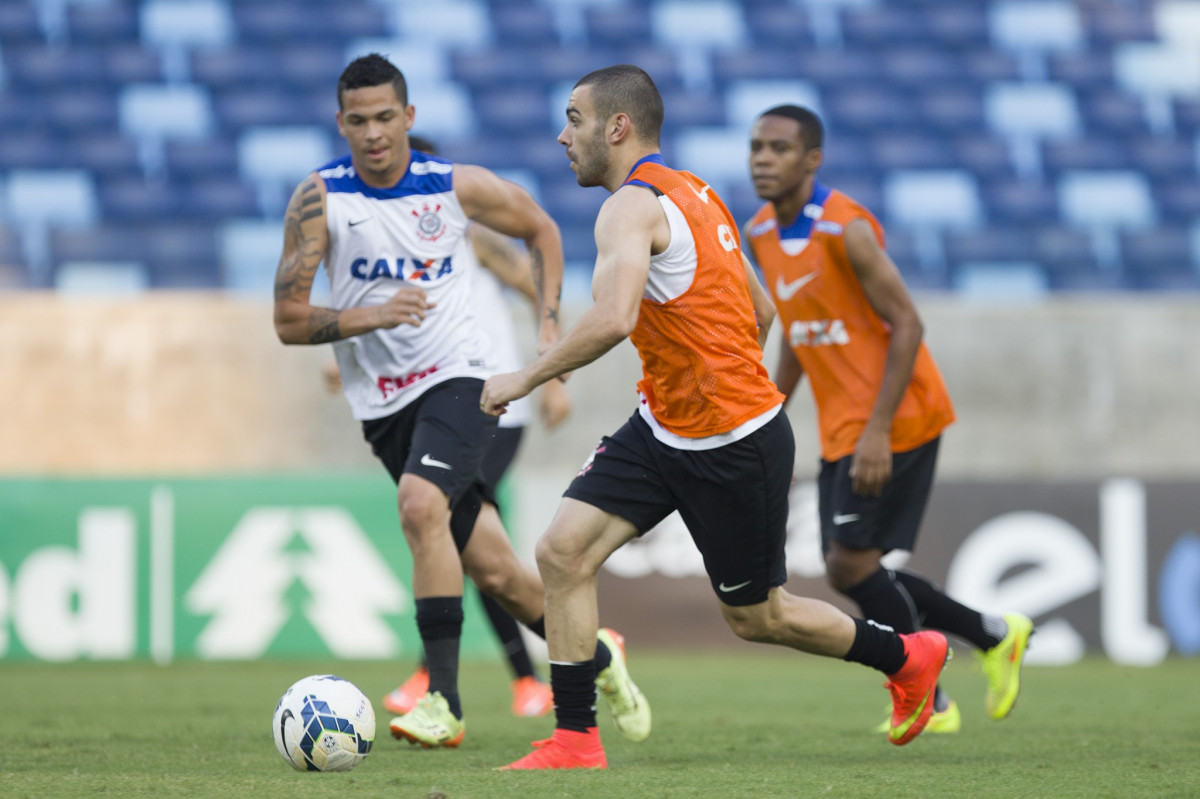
(430, 225)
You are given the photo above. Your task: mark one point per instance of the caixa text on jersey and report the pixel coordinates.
(401, 268)
(390, 385)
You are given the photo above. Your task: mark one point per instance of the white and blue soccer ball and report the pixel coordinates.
(323, 723)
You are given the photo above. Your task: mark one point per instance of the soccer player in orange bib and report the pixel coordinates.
(850, 325)
(708, 438)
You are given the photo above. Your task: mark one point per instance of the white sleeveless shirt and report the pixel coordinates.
(413, 233)
(491, 307)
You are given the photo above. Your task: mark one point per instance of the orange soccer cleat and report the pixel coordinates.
(914, 685)
(564, 749)
(405, 698)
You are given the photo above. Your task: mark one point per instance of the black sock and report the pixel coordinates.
(876, 647)
(439, 620)
(882, 599)
(510, 637)
(574, 687)
(942, 613)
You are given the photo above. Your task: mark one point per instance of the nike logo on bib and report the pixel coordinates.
(428, 460)
(727, 588)
(786, 291)
(844, 518)
(703, 194)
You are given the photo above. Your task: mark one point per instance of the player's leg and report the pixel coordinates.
(447, 442)
(531, 696)
(614, 497)
(734, 502)
(857, 531)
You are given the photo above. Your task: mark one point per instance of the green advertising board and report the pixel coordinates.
(209, 568)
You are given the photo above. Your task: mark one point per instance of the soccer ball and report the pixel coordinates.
(323, 723)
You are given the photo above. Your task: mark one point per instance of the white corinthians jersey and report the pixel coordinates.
(412, 233)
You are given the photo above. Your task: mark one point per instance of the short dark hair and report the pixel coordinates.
(812, 132)
(627, 88)
(372, 70)
(422, 144)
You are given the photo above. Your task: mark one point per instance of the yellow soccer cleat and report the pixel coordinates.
(1002, 665)
(430, 724)
(630, 710)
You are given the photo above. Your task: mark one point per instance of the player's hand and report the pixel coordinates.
(554, 404)
(331, 377)
(407, 306)
(499, 390)
(871, 468)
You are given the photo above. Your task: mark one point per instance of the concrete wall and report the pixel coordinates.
(179, 384)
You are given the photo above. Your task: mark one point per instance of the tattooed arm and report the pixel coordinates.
(305, 245)
(508, 208)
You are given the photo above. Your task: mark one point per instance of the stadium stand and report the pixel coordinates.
(1010, 147)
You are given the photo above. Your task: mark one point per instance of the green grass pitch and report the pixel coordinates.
(759, 724)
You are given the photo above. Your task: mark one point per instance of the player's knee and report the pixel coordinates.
(421, 511)
(751, 623)
(844, 571)
(556, 560)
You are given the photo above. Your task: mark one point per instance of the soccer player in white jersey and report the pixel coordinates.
(389, 224)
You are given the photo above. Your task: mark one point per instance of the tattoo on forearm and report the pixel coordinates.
(302, 255)
(549, 301)
(323, 326)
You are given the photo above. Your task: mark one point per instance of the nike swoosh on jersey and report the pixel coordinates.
(785, 291)
(727, 588)
(703, 194)
(844, 518)
(357, 222)
(428, 460)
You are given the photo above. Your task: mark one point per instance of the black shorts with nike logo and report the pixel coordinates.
(733, 499)
(888, 521)
(442, 436)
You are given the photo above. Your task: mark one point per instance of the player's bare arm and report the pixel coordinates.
(764, 309)
(507, 208)
(888, 296)
(503, 259)
(305, 245)
(630, 227)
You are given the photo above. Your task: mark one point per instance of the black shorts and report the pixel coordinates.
(733, 499)
(888, 521)
(442, 436)
(500, 456)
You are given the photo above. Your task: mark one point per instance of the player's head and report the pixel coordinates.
(372, 70)
(785, 150)
(375, 117)
(611, 107)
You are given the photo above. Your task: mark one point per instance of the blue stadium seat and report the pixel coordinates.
(456, 23)
(1106, 199)
(128, 62)
(249, 252)
(862, 185)
(618, 25)
(693, 108)
(1150, 255)
(73, 110)
(274, 159)
(29, 150)
(49, 68)
(104, 153)
(1016, 201)
(216, 198)
(1000, 281)
(1163, 159)
(1111, 23)
(1092, 152)
(236, 66)
(13, 270)
(957, 26)
(952, 107)
(991, 244)
(1178, 199)
(777, 25)
(38, 201)
(939, 198)
(1111, 112)
(864, 110)
(1034, 29)
(911, 151)
(883, 27)
(190, 160)
(281, 24)
(1086, 70)
(105, 242)
(517, 27)
(176, 27)
(240, 107)
(500, 68)
(759, 63)
(182, 255)
(695, 28)
(19, 23)
(986, 157)
(514, 111)
(1070, 261)
(134, 199)
(108, 22)
(746, 99)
